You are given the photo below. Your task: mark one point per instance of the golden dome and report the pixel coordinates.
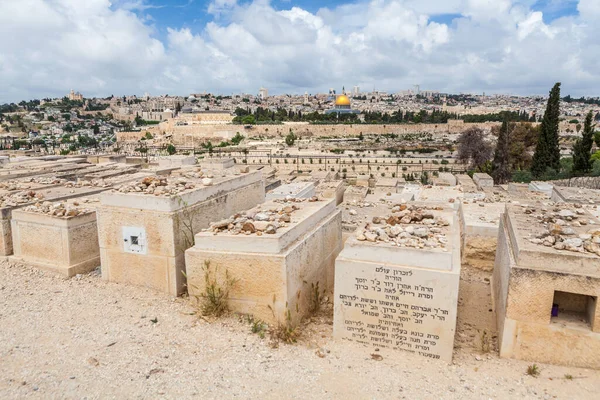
(342, 100)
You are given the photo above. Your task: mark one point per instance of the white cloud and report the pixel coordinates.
(589, 9)
(101, 48)
(220, 6)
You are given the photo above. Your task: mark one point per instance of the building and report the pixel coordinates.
(263, 93)
(75, 96)
(342, 106)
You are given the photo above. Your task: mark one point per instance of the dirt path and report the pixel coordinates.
(85, 338)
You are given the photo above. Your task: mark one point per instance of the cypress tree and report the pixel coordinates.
(582, 150)
(500, 164)
(547, 151)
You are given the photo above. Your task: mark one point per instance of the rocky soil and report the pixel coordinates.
(86, 338)
(261, 219)
(66, 209)
(562, 228)
(163, 186)
(28, 183)
(407, 226)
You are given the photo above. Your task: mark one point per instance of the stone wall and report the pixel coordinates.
(193, 135)
(588, 182)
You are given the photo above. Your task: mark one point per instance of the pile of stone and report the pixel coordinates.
(290, 199)
(27, 183)
(24, 197)
(60, 209)
(88, 183)
(559, 232)
(259, 220)
(407, 226)
(162, 186)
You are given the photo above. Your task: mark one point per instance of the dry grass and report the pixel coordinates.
(533, 370)
(215, 299)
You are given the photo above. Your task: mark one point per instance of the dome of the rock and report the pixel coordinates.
(342, 100)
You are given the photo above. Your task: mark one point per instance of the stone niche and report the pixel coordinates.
(300, 190)
(479, 233)
(546, 299)
(274, 272)
(143, 237)
(400, 298)
(68, 246)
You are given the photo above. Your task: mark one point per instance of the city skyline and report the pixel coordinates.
(179, 47)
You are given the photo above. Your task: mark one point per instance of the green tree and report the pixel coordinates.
(237, 139)
(171, 149)
(547, 151)
(501, 162)
(249, 120)
(290, 139)
(582, 150)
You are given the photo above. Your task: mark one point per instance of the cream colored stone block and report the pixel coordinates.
(169, 225)
(274, 273)
(398, 298)
(67, 246)
(525, 280)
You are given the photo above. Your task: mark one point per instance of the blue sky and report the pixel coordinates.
(103, 47)
(194, 13)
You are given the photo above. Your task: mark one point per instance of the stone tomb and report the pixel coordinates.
(332, 189)
(546, 285)
(176, 161)
(299, 190)
(399, 293)
(542, 187)
(483, 180)
(355, 194)
(469, 188)
(25, 198)
(563, 194)
(66, 244)
(278, 270)
(143, 236)
(217, 164)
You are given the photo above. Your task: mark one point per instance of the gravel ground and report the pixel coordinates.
(88, 339)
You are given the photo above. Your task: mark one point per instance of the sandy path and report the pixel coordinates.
(85, 338)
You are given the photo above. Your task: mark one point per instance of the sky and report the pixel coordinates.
(179, 47)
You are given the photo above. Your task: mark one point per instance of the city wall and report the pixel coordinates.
(191, 135)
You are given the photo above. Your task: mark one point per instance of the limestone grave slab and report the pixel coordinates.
(546, 283)
(143, 236)
(276, 272)
(299, 190)
(66, 245)
(400, 298)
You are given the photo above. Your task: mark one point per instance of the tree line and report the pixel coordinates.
(263, 115)
(524, 152)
